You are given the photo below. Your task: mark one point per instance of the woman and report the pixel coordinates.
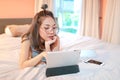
(40, 39)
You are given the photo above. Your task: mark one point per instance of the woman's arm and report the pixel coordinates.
(24, 60)
(53, 45)
(56, 45)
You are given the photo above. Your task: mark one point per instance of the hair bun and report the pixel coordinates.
(44, 6)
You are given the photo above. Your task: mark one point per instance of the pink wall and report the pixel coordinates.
(16, 8)
(104, 10)
(102, 14)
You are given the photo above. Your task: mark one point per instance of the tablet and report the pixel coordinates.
(62, 58)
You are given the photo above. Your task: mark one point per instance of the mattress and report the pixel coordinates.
(107, 53)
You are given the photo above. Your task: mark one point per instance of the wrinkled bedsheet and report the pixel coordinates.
(109, 54)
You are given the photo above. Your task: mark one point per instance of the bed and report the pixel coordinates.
(105, 52)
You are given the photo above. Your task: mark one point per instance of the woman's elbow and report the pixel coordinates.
(21, 66)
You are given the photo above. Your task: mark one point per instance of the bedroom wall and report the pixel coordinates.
(17, 8)
(103, 4)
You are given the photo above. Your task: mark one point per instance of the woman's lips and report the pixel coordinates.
(51, 37)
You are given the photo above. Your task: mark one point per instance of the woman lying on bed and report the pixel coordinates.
(40, 39)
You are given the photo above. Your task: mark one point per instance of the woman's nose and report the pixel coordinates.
(51, 31)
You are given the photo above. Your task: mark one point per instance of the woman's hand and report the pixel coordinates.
(44, 54)
(48, 43)
(51, 41)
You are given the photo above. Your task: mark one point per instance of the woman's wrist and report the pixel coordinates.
(44, 53)
(47, 47)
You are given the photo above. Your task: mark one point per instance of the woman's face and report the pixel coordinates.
(48, 29)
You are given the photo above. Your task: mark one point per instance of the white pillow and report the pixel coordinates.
(16, 30)
(7, 31)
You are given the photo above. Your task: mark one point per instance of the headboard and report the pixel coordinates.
(9, 21)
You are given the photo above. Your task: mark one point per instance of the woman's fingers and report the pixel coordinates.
(51, 41)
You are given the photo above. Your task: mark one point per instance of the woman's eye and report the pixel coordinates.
(46, 28)
(54, 27)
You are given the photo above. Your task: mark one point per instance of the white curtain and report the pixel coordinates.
(90, 18)
(111, 28)
(38, 4)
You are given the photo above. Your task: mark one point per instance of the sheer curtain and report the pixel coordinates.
(38, 4)
(111, 28)
(90, 18)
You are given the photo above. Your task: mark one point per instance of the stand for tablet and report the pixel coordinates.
(62, 70)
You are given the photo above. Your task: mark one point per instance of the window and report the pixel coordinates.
(68, 13)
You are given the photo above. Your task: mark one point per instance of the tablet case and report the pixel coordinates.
(62, 70)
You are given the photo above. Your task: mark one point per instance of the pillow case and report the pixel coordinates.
(16, 30)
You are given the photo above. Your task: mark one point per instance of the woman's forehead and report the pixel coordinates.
(48, 20)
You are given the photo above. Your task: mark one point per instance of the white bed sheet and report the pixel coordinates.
(107, 53)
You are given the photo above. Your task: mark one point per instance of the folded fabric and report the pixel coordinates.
(62, 70)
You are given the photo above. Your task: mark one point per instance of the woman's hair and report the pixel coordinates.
(33, 33)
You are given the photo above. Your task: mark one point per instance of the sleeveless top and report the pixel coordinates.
(35, 53)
